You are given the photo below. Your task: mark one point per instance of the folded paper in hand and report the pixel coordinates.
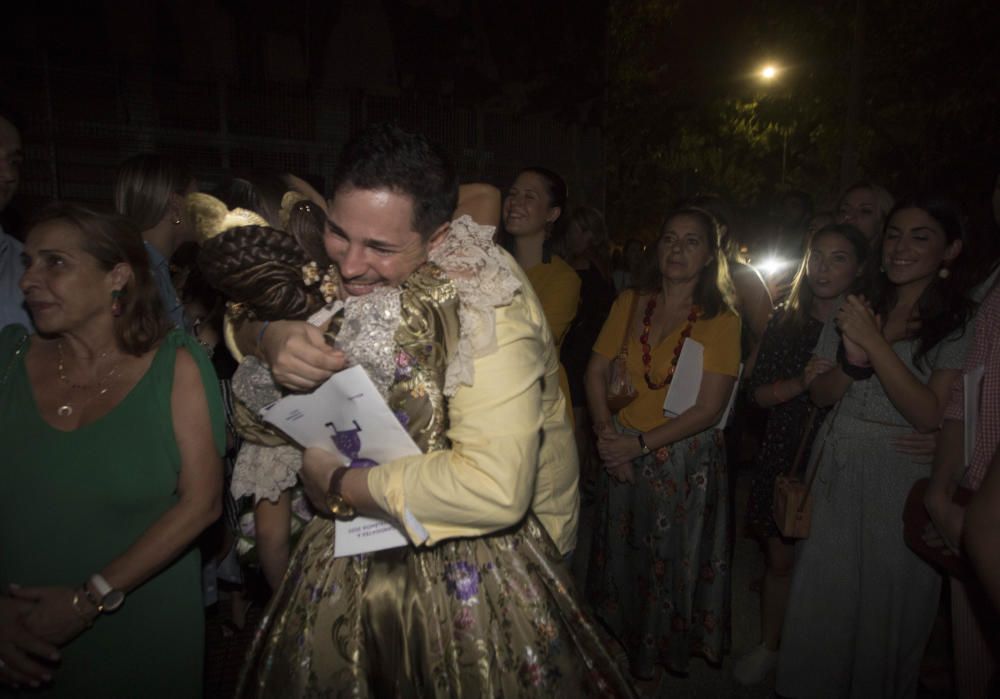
(686, 384)
(347, 416)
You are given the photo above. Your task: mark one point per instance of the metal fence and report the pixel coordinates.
(82, 121)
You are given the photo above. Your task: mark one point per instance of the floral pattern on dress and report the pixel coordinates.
(659, 576)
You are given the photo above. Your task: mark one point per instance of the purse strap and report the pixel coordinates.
(628, 323)
(819, 459)
(810, 421)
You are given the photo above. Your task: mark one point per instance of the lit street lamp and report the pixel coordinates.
(769, 72)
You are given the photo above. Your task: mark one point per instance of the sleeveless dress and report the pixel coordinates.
(73, 501)
(493, 615)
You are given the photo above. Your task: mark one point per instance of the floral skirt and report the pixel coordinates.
(659, 574)
(493, 616)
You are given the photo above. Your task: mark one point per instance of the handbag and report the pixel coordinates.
(620, 390)
(915, 521)
(792, 501)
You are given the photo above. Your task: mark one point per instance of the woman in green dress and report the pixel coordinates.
(111, 429)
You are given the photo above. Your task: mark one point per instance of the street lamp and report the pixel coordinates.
(769, 72)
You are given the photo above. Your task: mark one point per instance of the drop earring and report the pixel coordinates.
(116, 303)
(944, 273)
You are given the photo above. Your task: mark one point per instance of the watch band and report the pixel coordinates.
(334, 500)
(643, 446)
(109, 599)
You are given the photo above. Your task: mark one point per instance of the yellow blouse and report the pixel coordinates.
(512, 445)
(719, 335)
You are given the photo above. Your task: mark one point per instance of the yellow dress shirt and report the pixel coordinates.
(512, 444)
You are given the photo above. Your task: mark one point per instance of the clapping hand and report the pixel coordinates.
(860, 327)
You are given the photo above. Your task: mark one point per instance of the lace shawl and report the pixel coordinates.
(485, 281)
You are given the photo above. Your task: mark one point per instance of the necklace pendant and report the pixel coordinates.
(65, 410)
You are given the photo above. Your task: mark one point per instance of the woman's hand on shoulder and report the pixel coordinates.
(24, 657)
(299, 355)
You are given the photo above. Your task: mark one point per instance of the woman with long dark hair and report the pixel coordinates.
(862, 604)
(786, 367)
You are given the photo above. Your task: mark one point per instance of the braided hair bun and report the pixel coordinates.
(261, 268)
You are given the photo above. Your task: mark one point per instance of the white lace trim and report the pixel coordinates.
(265, 472)
(485, 281)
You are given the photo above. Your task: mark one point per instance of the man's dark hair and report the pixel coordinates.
(384, 156)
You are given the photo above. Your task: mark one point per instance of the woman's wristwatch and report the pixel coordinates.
(642, 445)
(107, 599)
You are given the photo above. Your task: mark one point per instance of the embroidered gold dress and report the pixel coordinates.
(480, 603)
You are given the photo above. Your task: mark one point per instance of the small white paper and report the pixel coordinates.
(686, 384)
(347, 416)
(684, 388)
(973, 386)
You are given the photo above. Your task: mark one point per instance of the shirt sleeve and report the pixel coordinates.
(485, 482)
(722, 345)
(563, 301)
(609, 342)
(977, 354)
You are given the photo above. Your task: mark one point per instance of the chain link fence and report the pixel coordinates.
(81, 121)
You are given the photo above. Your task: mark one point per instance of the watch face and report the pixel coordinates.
(113, 600)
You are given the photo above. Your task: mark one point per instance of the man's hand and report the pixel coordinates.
(299, 355)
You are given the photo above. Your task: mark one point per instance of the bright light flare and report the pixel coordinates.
(769, 72)
(770, 266)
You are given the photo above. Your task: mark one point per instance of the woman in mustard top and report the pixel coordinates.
(659, 571)
(531, 209)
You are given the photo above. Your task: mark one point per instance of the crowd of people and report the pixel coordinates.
(532, 366)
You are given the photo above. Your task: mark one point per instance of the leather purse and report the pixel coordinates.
(620, 390)
(792, 499)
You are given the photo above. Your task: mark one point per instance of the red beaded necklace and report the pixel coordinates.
(647, 352)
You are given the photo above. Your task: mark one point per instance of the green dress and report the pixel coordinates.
(73, 501)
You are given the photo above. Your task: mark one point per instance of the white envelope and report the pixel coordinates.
(347, 416)
(684, 388)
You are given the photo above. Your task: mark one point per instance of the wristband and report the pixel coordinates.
(858, 373)
(80, 612)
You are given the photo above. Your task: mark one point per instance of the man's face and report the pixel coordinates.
(11, 157)
(369, 236)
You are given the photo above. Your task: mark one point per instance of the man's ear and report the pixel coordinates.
(439, 235)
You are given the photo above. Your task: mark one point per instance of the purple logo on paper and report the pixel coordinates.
(348, 443)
